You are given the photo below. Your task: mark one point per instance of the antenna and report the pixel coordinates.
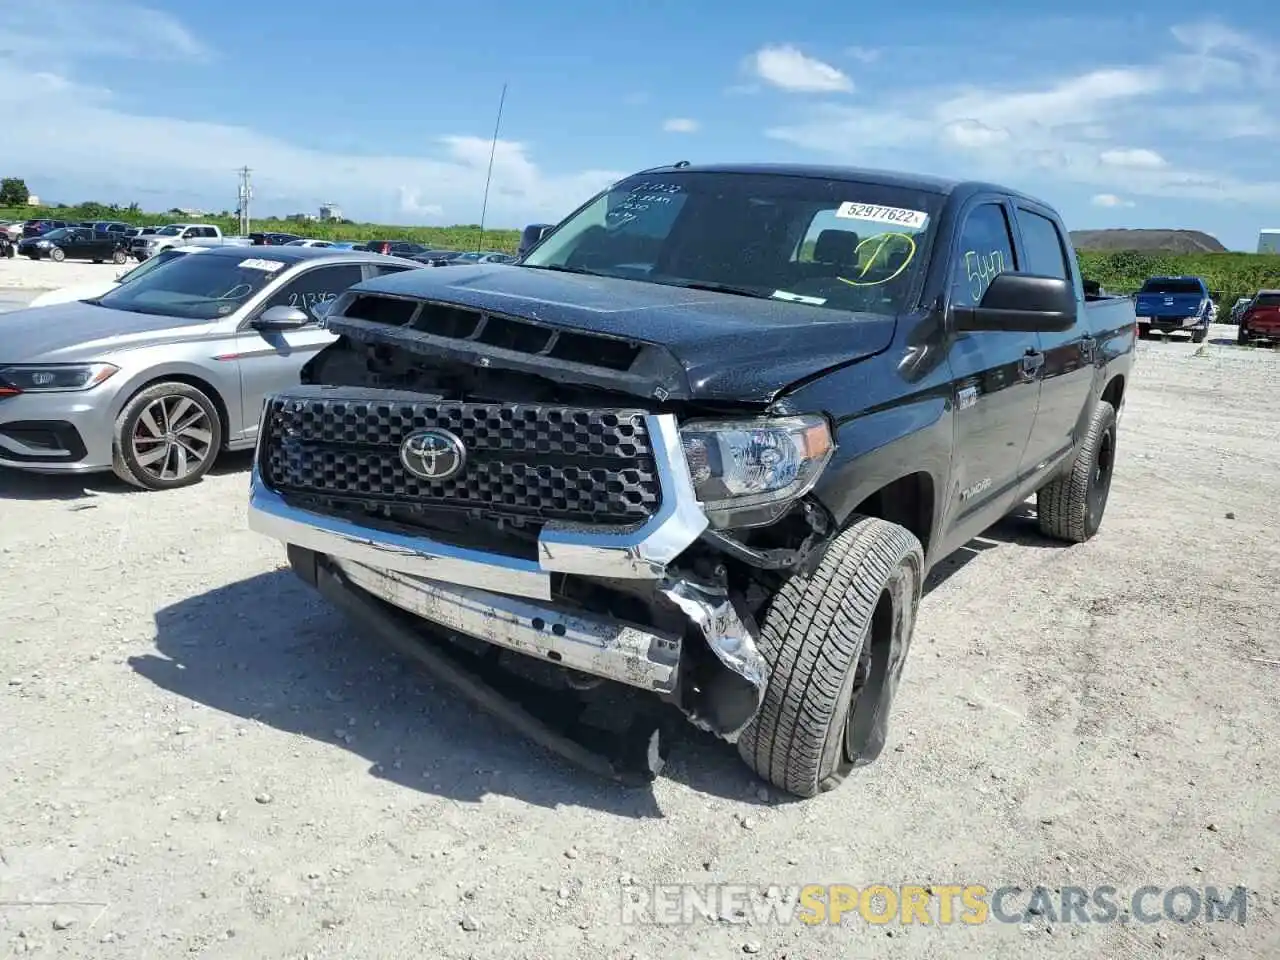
(493, 149)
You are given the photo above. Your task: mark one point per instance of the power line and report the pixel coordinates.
(493, 149)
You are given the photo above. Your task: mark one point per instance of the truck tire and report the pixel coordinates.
(1242, 337)
(1199, 333)
(1144, 331)
(1070, 508)
(835, 642)
(185, 417)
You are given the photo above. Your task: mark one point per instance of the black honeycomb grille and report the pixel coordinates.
(523, 460)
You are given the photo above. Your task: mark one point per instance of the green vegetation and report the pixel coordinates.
(465, 237)
(1229, 275)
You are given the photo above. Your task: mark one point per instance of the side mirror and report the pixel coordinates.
(1020, 303)
(281, 318)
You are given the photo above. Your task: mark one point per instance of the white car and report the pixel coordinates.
(87, 291)
(309, 243)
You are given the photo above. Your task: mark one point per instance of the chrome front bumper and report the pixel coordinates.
(630, 553)
(599, 646)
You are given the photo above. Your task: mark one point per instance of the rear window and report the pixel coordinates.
(1172, 286)
(1267, 300)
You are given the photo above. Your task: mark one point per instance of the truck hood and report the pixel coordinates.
(728, 347)
(78, 332)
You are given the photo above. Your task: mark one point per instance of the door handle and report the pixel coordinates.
(1032, 361)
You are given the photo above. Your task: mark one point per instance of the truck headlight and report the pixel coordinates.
(54, 377)
(747, 472)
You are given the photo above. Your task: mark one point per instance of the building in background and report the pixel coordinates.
(1269, 241)
(330, 211)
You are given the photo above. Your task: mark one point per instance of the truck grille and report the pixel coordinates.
(523, 460)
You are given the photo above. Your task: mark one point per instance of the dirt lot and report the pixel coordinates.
(200, 758)
(22, 273)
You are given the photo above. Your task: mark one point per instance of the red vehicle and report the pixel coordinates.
(1261, 318)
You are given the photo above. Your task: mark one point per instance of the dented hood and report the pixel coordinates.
(729, 347)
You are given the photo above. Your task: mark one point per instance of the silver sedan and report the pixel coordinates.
(154, 378)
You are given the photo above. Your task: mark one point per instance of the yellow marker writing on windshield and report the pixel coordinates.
(884, 240)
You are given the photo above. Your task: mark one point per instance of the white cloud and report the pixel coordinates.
(1110, 200)
(1066, 129)
(785, 67)
(170, 160)
(680, 125)
(974, 133)
(864, 54)
(1138, 158)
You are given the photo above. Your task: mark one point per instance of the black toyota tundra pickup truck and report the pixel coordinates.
(705, 439)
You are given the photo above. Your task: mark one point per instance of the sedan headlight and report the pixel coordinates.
(747, 472)
(54, 378)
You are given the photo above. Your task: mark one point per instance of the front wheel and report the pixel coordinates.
(119, 258)
(167, 436)
(57, 254)
(1070, 508)
(835, 642)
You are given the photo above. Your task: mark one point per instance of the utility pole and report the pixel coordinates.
(493, 149)
(245, 195)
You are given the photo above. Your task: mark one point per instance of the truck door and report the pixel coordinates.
(995, 381)
(1067, 376)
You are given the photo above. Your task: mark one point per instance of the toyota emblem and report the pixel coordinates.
(433, 454)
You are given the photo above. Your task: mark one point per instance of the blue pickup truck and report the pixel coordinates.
(1173, 305)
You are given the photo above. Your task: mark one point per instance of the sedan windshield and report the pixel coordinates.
(150, 264)
(204, 287)
(837, 244)
(62, 233)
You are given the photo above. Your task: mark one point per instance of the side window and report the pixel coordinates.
(374, 270)
(1042, 245)
(316, 286)
(986, 249)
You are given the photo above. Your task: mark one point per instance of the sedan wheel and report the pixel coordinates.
(167, 436)
(57, 254)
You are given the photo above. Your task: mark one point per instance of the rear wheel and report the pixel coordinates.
(1242, 337)
(57, 254)
(835, 642)
(166, 436)
(1144, 331)
(1070, 508)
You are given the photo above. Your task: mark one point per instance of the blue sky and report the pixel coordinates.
(1150, 117)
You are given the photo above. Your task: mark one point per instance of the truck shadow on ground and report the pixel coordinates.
(271, 651)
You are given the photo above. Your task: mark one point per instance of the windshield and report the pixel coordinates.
(1171, 286)
(204, 287)
(146, 266)
(169, 231)
(1267, 300)
(59, 234)
(840, 245)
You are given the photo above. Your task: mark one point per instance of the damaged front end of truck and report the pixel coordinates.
(558, 496)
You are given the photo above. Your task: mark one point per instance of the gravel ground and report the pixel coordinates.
(201, 758)
(22, 273)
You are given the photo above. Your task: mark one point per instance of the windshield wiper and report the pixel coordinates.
(719, 288)
(559, 269)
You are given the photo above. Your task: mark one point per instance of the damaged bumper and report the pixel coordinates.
(508, 602)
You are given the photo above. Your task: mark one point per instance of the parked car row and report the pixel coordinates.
(1185, 305)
